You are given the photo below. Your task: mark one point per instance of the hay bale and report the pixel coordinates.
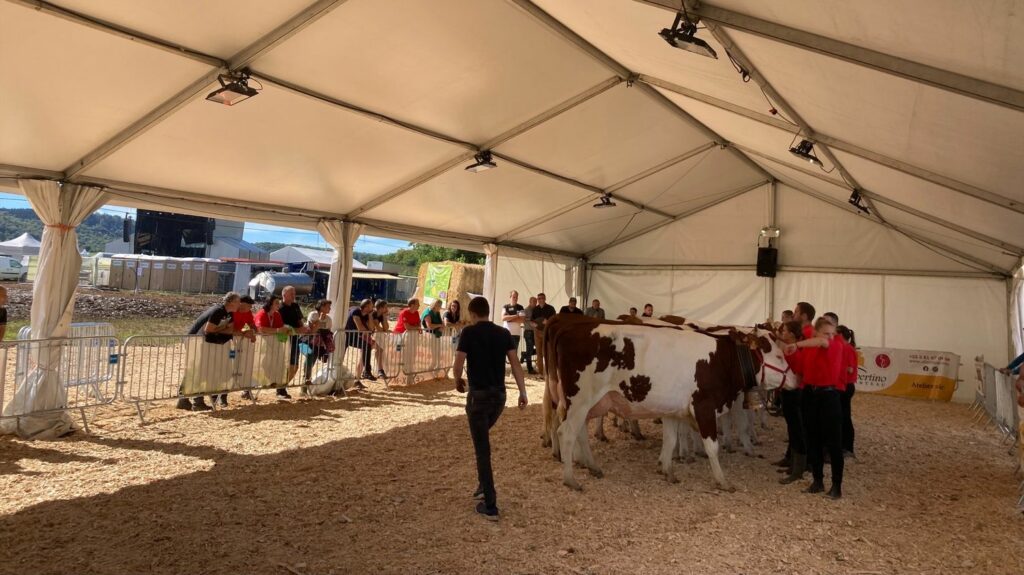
(465, 279)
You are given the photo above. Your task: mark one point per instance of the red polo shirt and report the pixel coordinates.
(823, 365)
(849, 363)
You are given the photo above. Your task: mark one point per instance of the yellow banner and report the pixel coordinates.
(907, 373)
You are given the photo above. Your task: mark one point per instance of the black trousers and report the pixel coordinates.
(515, 343)
(823, 420)
(794, 421)
(531, 348)
(483, 408)
(359, 340)
(846, 398)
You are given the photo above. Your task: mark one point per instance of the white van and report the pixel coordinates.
(11, 269)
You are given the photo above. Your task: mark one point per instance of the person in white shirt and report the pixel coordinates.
(321, 338)
(512, 317)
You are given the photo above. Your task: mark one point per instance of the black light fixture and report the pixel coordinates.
(483, 162)
(855, 202)
(681, 35)
(234, 88)
(605, 202)
(805, 151)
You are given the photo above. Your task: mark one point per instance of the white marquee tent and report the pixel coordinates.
(370, 110)
(23, 245)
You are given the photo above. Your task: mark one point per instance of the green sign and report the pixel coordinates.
(439, 277)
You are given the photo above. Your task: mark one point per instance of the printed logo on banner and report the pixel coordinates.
(883, 361)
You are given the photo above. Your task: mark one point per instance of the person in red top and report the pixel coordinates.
(243, 317)
(409, 318)
(795, 461)
(822, 410)
(850, 376)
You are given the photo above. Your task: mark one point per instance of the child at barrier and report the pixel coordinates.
(485, 346)
(321, 343)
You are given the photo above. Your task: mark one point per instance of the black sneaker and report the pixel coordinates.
(369, 376)
(199, 405)
(488, 514)
(816, 487)
(223, 400)
(184, 403)
(478, 494)
(282, 393)
(835, 493)
(381, 374)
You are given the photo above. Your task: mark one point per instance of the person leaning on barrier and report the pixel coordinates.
(217, 327)
(291, 313)
(380, 326)
(269, 322)
(358, 335)
(3, 312)
(245, 325)
(321, 342)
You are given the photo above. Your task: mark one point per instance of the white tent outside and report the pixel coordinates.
(575, 99)
(293, 255)
(23, 245)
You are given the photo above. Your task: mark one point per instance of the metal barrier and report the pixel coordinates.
(86, 368)
(995, 399)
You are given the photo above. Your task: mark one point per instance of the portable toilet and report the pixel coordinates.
(129, 277)
(157, 274)
(172, 275)
(116, 271)
(211, 279)
(144, 271)
(195, 275)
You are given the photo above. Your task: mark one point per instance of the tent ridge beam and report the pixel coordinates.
(120, 31)
(922, 73)
(797, 269)
(609, 190)
(840, 145)
(723, 198)
(286, 30)
(575, 39)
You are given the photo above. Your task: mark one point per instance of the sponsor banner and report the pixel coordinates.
(439, 277)
(907, 372)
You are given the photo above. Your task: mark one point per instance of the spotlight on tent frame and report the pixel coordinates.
(681, 35)
(605, 202)
(805, 151)
(483, 162)
(234, 88)
(855, 202)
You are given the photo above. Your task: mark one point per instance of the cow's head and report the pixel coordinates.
(774, 367)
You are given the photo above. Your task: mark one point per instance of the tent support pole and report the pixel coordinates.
(770, 281)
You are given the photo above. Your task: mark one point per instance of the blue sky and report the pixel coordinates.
(253, 232)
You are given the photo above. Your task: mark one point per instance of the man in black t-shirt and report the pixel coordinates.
(216, 326)
(571, 308)
(357, 335)
(485, 347)
(541, 314)
(291, 314)
(512, 317)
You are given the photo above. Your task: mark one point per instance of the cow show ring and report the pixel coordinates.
(381, 481)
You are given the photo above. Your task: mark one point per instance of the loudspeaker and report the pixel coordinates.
(210, 225)
(767, 261)
(126, 232)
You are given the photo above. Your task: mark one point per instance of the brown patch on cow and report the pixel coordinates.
(625, 318)
(719, 382)
(637, 389)
(673, 319)
(608, 355)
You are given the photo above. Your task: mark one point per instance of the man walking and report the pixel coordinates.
(485, 347)
(541, 314)
(594, 310)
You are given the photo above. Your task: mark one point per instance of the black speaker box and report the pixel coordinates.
(767, 262)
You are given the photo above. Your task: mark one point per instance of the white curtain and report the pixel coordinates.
(61, 209)
(490, 274)
(342, 237)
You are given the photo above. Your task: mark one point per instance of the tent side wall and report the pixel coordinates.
(966, 316)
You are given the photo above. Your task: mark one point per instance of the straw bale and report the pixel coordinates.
(466, 279)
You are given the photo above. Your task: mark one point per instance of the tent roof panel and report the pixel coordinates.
(628, 32)
(693, 181)
(463, 67)
(965, 139)
(471, 203)
(609, 138)
(276, 148)
(701, 238)
(585, 228)
(744, 131)
(66, 89)
(991, 33)
(197, 24)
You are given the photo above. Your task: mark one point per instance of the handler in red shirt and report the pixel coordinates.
(409, 318)
(796, 449)
(850, 374)
(822, 411)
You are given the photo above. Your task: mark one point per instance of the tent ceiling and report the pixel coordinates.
(358, 121)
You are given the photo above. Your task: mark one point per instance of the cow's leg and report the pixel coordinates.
(568, 435)
(711, 447)
(556, 424)
(546, 434)
(705, 417)
(725, 431)
(752, 417)
(585, 455)
(634, 429)
(599, 430)
(670, 436)
(743, 427)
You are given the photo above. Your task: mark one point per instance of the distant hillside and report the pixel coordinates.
(93, 234)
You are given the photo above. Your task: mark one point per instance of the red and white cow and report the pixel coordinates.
(682, 376)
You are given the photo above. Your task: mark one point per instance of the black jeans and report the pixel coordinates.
(359, 341)
(823, 420)
(515, 344)
(483, 407)
(530, 348)
(846, 398)
(794, 421)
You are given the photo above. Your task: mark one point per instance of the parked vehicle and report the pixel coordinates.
(11, 269)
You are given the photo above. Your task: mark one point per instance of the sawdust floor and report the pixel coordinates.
(382, 482)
